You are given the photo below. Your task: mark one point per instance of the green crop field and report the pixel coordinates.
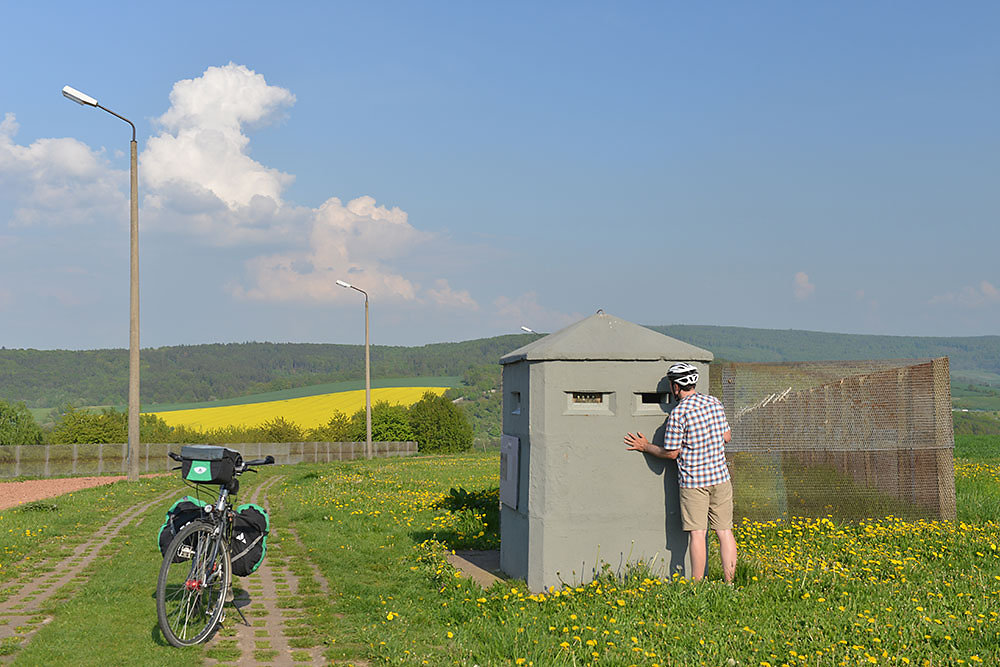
(808, 591)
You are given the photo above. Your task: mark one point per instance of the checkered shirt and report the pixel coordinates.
(696, 427)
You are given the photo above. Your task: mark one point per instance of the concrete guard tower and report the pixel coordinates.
(572, 499)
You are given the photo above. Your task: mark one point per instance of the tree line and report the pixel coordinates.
(434, 422)
(195, 373)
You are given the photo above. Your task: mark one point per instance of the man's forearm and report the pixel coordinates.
(661, 452)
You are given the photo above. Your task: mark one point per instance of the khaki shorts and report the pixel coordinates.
(707, 507)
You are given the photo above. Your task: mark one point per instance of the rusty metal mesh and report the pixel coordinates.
(850, 439)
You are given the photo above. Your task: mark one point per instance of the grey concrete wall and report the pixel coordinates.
(588, 501)
(514, 523)
(111, 459)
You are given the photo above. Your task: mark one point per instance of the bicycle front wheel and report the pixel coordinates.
(191, 589)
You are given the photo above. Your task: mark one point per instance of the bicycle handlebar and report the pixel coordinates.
(246, 464)
(259, 462)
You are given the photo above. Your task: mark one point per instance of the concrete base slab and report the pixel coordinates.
(480, 566)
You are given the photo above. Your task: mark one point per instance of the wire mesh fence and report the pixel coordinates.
(849, 439)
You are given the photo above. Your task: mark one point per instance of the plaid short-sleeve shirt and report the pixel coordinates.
(696, 426)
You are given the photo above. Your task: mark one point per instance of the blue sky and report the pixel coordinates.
(478, 167)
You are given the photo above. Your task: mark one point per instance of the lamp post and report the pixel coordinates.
(133, 329)
(368, 375)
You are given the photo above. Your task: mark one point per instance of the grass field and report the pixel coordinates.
(809, 591)
(307, 412)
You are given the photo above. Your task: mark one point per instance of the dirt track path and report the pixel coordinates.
(271, 599)
(22, 600)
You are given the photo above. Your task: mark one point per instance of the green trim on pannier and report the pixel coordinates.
(170, 512)
(245, 548)
(267, 517)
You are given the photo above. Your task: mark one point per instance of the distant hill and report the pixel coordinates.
(975, 359)
(194, 373)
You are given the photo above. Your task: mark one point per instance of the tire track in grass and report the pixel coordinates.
(271, 599)
(23, 612)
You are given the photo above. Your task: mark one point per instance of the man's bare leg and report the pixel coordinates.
(727, 550)
(696, 550)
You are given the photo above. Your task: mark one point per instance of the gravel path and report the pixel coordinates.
(16, 493)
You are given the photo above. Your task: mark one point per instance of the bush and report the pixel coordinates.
(80, 426)
(17, 426)
(338, 429)
(278, 430)
(108, 425)
(390, 423)
(439, 425)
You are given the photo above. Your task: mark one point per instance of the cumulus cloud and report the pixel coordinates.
(443, 295)
(801, 287)
(58, 182)
(352, 243)
(198, 168)
(524, 310)
(199, 180)
(979, 296)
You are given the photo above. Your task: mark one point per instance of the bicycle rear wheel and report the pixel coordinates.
(191, 590)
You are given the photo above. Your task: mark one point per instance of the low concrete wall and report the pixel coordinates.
(112, 459)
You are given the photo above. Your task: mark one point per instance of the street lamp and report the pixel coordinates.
(368, 375)
(133, 329)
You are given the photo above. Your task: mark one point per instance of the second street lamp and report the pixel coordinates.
(133, 328)
(368, 375)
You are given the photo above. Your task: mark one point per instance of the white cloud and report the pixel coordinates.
(979, 296)
(524, 310)
(351, 243)
(199, 180)
(198, 168)
(444, 295)
(58, 182)
(801, 287)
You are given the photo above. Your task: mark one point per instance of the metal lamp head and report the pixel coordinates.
(71, 93)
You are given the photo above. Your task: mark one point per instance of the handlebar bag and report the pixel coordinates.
(209, 464)
(180, 514)
(248, 545)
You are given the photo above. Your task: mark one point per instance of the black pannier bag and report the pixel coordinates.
(249, 542)
(180, 514)
(209, 464)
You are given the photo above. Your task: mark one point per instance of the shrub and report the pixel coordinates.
(17, 426)
(108, 425)
(338, 429)
(80, 426)
(390, 423)
(278, 430)
(439, 425)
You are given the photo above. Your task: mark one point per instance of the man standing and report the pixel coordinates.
(696, 435)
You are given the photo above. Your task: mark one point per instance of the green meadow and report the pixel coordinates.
(880, 590)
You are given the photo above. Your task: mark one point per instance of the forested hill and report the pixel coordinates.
(976, 353)
(190, 373)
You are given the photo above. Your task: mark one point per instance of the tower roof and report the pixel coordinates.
(607, 338)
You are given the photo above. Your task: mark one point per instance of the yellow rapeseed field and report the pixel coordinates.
(307, 412)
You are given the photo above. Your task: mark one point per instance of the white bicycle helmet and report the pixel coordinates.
(683, 374)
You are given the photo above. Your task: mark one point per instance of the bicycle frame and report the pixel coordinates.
(209, 572)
